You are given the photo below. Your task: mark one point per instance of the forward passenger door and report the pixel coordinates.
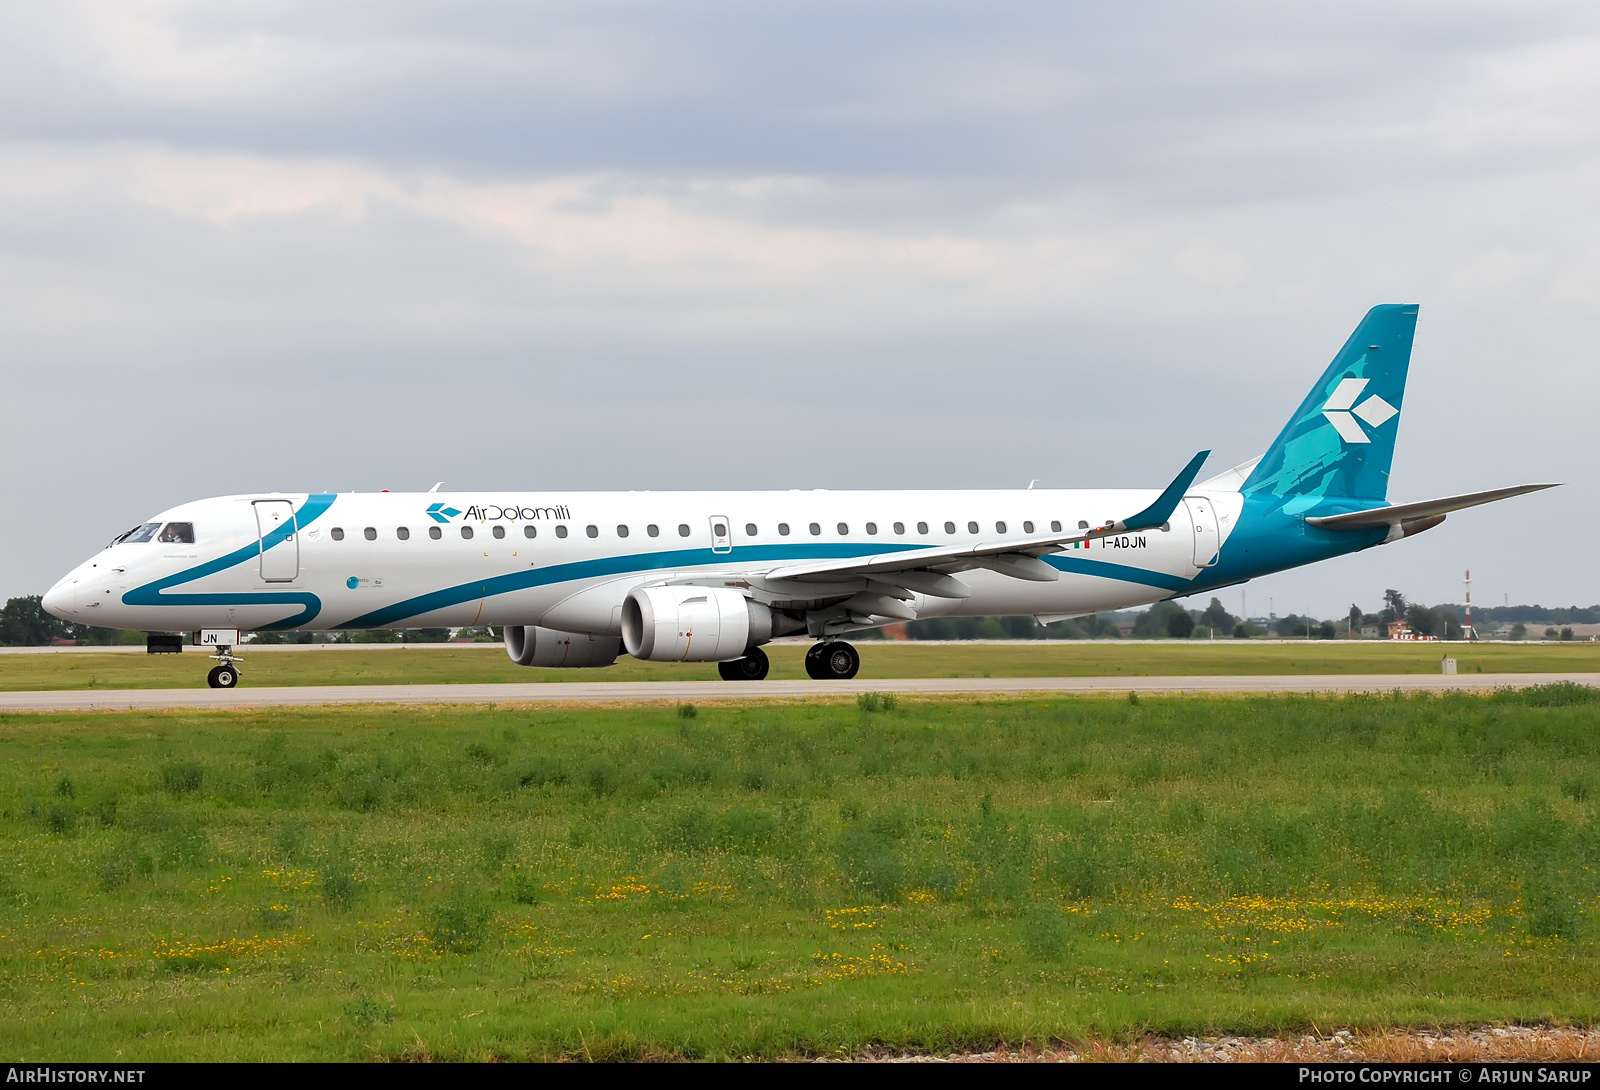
(277, 540)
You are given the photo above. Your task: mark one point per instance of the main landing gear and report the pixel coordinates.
(753, 667)
(225, 675)
(832, 660)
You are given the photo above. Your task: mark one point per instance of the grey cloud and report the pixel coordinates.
(1153, 95)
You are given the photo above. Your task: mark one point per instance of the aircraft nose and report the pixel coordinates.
(61, 600)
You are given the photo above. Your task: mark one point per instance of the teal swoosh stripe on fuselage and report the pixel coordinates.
(599, 568)
(151, 593)
(1078, 565)
(694, 558)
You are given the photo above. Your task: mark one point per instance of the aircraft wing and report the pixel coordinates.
(1017, 557)
(1402, 512)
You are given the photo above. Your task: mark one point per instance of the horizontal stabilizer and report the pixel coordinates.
(1389, 516)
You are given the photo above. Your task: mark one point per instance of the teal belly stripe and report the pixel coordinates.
(694, 558)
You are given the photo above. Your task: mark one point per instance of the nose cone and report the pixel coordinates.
(61, 600)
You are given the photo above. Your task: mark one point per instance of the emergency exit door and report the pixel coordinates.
(1206, 542)
(280, 545)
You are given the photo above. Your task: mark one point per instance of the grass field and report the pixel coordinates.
(878, 660)
(791, 878)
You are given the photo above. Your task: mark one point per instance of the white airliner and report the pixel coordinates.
(576, 577)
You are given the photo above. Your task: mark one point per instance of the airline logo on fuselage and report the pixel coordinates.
(1374, 410)
(495, 512)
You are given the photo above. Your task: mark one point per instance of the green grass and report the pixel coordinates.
(1065, 658)
(775, 878)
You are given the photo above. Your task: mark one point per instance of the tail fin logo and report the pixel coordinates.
(1374, 410)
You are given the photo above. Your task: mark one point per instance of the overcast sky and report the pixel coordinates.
(640, 245)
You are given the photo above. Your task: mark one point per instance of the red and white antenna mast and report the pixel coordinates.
(1467, 631)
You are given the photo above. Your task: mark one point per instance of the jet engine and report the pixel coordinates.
(692, 624)
(530, 645)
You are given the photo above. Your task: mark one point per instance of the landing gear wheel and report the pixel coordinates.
(222, 677)
(753, 667)
(834, 660)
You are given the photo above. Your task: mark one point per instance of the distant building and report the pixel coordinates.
(1400, 630)
(1125, 628)
(1369, 631)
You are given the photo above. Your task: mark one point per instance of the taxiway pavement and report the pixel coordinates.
(636, 692)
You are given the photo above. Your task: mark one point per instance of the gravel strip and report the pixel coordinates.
(1486, 1044)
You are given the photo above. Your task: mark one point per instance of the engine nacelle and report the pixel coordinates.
(530, 645)
(692, 624)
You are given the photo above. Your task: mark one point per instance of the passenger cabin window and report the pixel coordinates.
(719, 529)
(433, 532)
(949, 527)
(403, 533)
(591, 530)
(972, 527)
(1027, 527)
(999, 527)
(499, 532)
(622, 531)
(922, 527)
(1055, 527)
(844, 528)
(749, 529)
(872, 528)
(683, 529)
(466, 533)
(815, 529)
(177, 533)
(653, 530)
(561, 531)
(783, 529)
(337, 533)
(530, 531)
(899, 527)
(370, 533)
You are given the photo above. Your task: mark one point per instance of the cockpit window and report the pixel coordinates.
(177, 533)
(138, 534)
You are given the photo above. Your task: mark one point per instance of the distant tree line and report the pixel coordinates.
(1529, 615)
(1009, 628)
(373, 635)
(24, 623)
(1164, 620)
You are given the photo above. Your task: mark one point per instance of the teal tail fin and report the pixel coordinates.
(1340, 442)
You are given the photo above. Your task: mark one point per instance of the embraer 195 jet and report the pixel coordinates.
(577, 577)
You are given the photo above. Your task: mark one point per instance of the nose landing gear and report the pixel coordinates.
(832, 660)
(224, 675)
